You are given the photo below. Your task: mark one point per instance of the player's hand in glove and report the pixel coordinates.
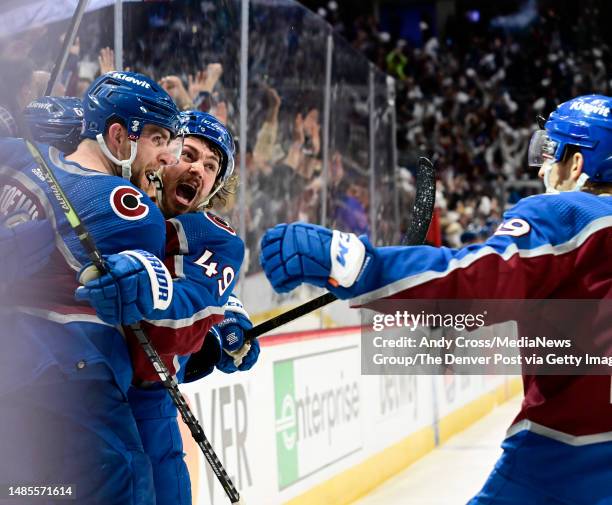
(237, 354)
(24, 248)
(135, 284)
(300, 252)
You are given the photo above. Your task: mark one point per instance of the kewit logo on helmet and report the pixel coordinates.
(130, 79)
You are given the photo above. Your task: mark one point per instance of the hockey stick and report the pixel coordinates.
(60, 63)
(168, 380)
(421, 217)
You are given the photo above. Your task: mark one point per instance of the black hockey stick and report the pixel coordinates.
(60, 63)
(422, 212)
(168, 380)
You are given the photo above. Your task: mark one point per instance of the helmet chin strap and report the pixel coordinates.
(582, 178)
(547, 184)
(126, 165)
(156, 179)
(580, 182)
(204, 202)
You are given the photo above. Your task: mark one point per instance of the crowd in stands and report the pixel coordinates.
(467, 96)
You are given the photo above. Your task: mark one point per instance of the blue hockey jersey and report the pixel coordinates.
(119, 217)
(203, 255)
(55, 329)
(550, 246)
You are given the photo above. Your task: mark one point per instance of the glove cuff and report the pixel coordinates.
(347, 255)
(235, 305)
(366, 276)
(161, 280)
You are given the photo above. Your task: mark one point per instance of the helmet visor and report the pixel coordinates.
(541, 149)
(175, 146)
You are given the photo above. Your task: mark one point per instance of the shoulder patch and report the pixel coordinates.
(220, 223)
(514, 227)
(126, 203)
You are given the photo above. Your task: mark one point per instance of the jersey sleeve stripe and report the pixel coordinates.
(560, 436)
(64, 317)
(183, 244)
(188, 321)
(472, 257)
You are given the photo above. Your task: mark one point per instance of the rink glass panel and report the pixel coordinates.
(31, 37)
(384, 198)
(181, 39)
(285, 107)
(287, 52)
(349, 171)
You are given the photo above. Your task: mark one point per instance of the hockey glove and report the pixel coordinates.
(25, 248)
(135, 284)
(292, 254)
(237, 354)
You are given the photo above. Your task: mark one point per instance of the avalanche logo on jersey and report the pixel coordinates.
(126, 203)
(514, 227)
(221, 223)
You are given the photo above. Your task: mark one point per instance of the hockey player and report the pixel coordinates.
(555, 245)
(25, 246)
(205, 169)
(66, 371)
(204, 250)
(201, 248)
(204, 175)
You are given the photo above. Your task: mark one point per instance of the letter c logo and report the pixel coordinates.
(126, 203)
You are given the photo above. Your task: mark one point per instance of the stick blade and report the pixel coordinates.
(424, 200)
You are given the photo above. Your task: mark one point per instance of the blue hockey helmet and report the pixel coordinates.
(134, 99)
(208, 127)
(55, 120)
(202, 124)
(586, 122)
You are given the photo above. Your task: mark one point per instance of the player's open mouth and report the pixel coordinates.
(186, 192)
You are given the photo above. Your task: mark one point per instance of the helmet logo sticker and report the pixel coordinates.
(40, 105)
(130, 79)
(126, 203)
(595, 107)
